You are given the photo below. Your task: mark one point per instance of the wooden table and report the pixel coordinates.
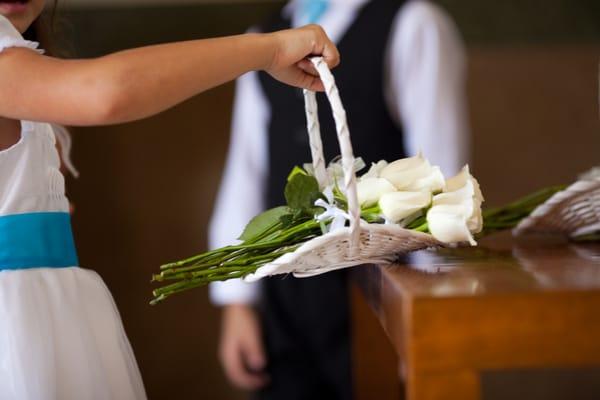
(454, 313)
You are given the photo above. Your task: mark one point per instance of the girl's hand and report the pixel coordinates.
(292, 47)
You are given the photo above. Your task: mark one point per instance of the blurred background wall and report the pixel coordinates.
(146, 188)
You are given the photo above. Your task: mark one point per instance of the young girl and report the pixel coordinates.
(61, 336)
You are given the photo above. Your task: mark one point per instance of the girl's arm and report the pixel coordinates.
(137, 83)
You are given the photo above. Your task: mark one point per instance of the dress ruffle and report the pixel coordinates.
(8, 42)
(61, 338)
(10, 37)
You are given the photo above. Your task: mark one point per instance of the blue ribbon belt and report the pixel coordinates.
(36, 240)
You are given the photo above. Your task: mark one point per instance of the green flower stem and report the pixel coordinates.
(165, 291)
(217, 253)
(371, 210)
(197, 259)
(587, 238)
(418, 223)
(200, 278)
(197, 274)
(529, 201)
(237, 256)
(230, 251)
(422, 228)
(247, 264)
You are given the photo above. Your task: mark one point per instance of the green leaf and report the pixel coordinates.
(297, 170)
(262, 222)
(287, 220)
(302, 191)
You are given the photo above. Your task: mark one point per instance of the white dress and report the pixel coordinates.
(61, 336)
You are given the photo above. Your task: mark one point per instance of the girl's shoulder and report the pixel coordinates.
(10, 37)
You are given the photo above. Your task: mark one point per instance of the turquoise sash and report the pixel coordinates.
(36, 240)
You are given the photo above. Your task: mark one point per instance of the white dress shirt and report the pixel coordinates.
(425, 93)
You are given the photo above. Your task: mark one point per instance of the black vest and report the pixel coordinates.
(360, 79)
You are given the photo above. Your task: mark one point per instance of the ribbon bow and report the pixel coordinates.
(337, 216)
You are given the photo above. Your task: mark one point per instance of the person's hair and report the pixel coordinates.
(45, 30)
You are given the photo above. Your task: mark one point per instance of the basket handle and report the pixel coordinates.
(343, 135)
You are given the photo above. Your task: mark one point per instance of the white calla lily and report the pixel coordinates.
(414, 174)
(335, 170)
(375, 170)
(447, 224)
(370, 190)
(455, 215)
(396, 206)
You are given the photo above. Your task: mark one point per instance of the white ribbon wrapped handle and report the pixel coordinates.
(343, 135)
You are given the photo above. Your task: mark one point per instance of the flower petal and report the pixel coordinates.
(396, 206)
(433, 181)
(375, 170)
(414, 174)
(371, 189)
(448, 224)
(456, 213)
(461, 179)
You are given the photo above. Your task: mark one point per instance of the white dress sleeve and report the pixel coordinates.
(241, 195)
(427, 84)
(10, 37)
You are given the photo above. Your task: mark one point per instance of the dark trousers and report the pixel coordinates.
(306, 324)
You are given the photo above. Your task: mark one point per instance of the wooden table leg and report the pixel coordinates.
(445, 385)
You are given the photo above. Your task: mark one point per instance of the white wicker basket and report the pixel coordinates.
(359, 243)
(572, 212)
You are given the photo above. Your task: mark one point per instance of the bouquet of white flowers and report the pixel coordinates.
(335, 220)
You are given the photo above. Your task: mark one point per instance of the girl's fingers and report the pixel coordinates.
(331, 55)
(316, 85)
(302, 73)
(310, 76)
(325, 47)
(311, 82)
(308, 67)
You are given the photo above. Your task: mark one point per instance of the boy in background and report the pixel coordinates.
(402, 82)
